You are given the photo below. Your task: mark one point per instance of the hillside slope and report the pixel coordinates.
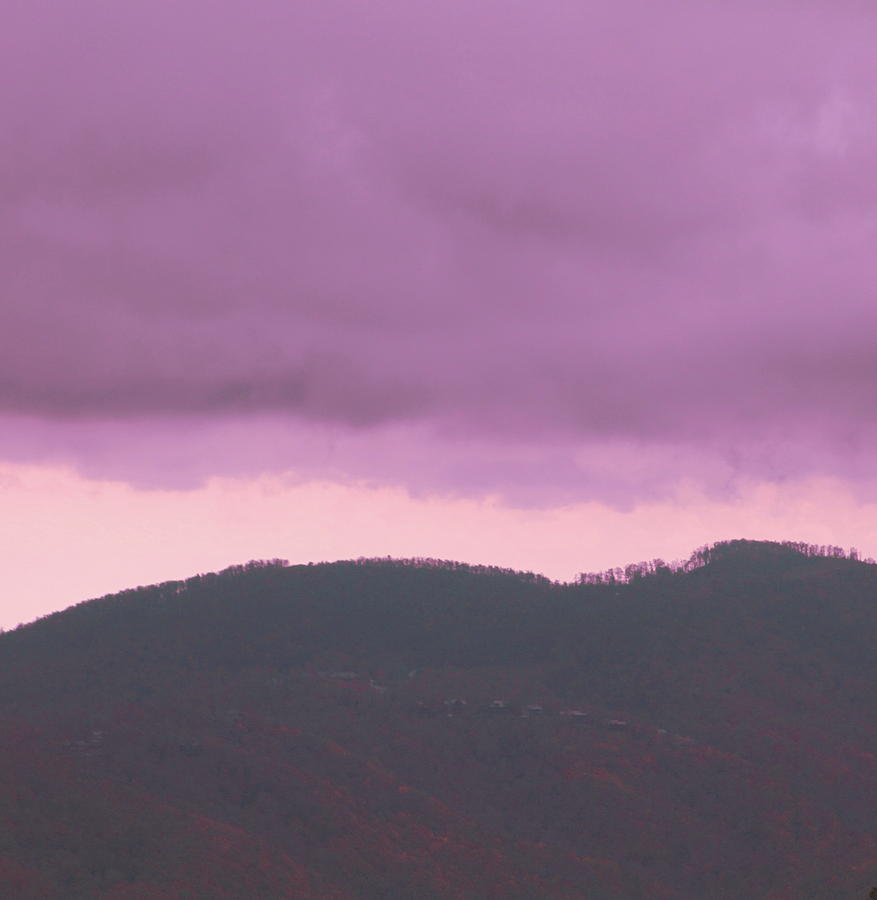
(381, 729)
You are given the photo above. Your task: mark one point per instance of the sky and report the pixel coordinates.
(553, 285)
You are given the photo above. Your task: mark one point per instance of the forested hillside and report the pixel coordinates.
(425, 729)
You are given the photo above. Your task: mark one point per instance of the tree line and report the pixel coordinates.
(710, 553)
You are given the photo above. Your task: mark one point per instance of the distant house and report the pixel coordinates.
(499, 708)
(423, 708)
(88, 747)
(576, 715)
(191, 747)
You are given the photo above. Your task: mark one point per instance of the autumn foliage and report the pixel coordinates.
(426, 729)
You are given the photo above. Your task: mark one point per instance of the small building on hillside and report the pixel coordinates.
(498, 708)
(455, 706)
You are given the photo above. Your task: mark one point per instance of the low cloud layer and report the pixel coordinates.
(518, 242)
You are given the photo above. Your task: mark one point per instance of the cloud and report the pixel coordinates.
(511, 238)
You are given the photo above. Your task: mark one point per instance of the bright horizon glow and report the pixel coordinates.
(557, 287)
(66, 539)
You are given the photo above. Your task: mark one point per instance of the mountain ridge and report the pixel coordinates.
(387, 728)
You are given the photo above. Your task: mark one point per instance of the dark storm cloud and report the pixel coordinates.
(534, 231)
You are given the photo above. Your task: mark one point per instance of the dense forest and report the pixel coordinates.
(421, 728)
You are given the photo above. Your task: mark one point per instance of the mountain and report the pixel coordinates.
(425, 729)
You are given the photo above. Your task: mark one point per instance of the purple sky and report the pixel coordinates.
(536, 253)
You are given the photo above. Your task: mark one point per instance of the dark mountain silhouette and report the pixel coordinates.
(426, 729)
